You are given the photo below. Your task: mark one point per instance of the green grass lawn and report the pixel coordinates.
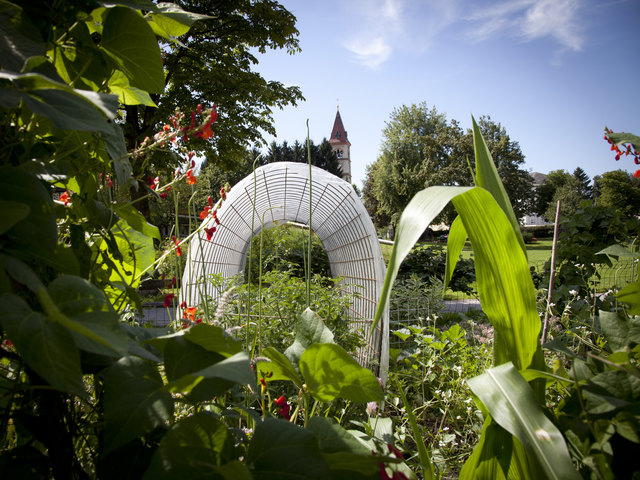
(538, 252)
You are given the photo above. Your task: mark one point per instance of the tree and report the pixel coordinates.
(322, 155)
(569, 197)
(212, 64)
(619, 190)
(421, 149)
(509, 161)
(584, 183)
(544, 193)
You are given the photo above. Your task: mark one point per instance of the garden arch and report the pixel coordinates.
(338, 218)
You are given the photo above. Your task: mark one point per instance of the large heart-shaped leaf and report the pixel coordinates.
(134, 401)
(330, 372)
(131, 43)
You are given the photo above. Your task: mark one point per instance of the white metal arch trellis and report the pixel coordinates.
(338, 218)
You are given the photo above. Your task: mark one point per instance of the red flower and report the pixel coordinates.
(65, 197)
(284, 408)
(205, 212)
(173, 282)
(177, 244)
(191, 179)
(210, 201)
(183, 304)
(223, 193)
(207, 133)
(210, 232)
(215, 217)
(167, 299)
(637, 174)
(189, 313)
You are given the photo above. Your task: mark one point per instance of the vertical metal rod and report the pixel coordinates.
(552, 274)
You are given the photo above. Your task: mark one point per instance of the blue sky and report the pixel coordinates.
(552, 72)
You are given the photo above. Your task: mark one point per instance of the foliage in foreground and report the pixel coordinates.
(518, 439)
(84, 394)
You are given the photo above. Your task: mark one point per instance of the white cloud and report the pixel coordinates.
(370, 53)
(530, 20)
(379, 28)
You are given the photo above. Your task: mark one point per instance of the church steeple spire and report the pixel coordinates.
(340, 144)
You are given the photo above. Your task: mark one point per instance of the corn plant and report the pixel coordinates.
(517, 439)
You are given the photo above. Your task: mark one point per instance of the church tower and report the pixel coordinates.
(341, 145)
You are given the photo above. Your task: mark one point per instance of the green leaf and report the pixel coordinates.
(128, 95)
(38, 230)
(19, 38)
(504, 281)
(134, 401)
(75, 295)
(131, 43)
(213, 339)
(46, 347)
(330, 372)
(169, 20)
(193, 448)
(285, 451)
(232, 370)
(622, 137)
(415, 218)
(619, 251)
(455, 244)
(616, 328)
(512, 405)
(488, 178)
(67, 108)
(136, 220)
(631, 295)
(21, 273)
(498, 456)
(423, 452)
(341, 450)
(505, 287)
(309, 329)
(12, 213)
(279, 368)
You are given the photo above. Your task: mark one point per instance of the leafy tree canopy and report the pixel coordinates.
(620, 190)
(421, 148)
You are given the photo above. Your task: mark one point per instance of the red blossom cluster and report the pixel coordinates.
(189, 315)
(65, 197)
(388, 473)
(284, 409)
(629, 150)
(212, 211)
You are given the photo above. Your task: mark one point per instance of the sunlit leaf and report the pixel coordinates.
(330, 372)
(131, 43)
(512, 404)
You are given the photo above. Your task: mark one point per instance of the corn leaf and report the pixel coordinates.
(512, 405)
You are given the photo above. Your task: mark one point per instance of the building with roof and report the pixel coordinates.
(341, 145)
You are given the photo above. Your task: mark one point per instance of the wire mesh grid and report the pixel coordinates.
(279, 193)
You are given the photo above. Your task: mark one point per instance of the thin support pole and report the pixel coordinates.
(552, 274)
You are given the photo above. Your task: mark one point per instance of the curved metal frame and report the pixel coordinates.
(338, 218)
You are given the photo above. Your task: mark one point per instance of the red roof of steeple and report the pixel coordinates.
(338, 133)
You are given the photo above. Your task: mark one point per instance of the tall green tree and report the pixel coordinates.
(509, 161)
(322, 155)
(545, 192)
(619, 190)
(584, 183)
(421, 148)
(213, 63)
